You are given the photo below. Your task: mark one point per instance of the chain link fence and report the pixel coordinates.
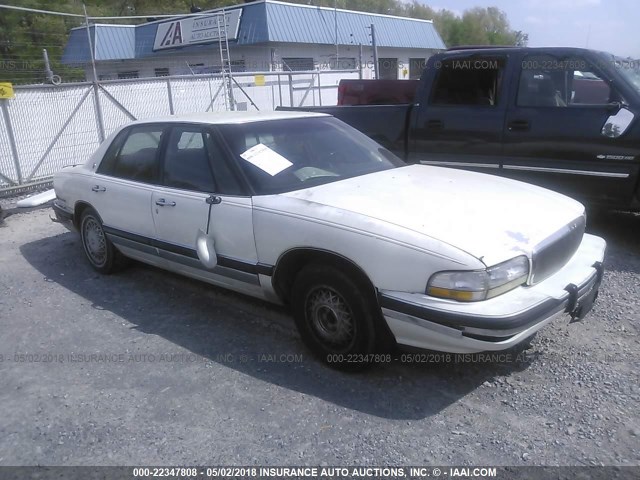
(46, 127)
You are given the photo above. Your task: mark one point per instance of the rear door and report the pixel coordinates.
(460, 122)
(123, 185)
(553, 131)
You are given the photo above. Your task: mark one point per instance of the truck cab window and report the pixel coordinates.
(469, 81)
(547, 81)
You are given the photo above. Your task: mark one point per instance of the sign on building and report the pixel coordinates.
(195, 30)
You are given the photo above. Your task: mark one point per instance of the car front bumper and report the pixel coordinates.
(421, 321)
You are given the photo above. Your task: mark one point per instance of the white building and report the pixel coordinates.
(264, 35)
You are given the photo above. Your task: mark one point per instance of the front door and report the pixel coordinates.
(553, 132)
(199, 195)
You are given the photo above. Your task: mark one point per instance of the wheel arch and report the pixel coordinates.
(78, 210)
(293, 261)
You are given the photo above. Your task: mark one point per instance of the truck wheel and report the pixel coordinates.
(333, 317)
(100, 252)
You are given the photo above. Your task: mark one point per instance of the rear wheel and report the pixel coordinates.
(334, 318)
(100, 252)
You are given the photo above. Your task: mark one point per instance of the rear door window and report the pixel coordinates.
(469, 81)
(138, 156)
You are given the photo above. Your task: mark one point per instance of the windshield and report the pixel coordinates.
(284, 155)
(630, 70)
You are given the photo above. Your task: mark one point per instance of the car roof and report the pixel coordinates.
(218, 118)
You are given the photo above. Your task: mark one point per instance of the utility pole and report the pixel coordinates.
(335, 18)
(374, 43)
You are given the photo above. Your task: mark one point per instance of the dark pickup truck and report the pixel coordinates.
(563, 118)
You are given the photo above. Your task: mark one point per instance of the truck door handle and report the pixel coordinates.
(519, 126)
(161, 202)
(435, 125)
(98, 188)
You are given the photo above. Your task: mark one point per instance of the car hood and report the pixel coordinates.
(490, 217)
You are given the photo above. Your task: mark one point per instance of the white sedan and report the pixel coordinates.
(303, 210)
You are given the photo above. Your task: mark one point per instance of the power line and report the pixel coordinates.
(35, 10)
(124, 17)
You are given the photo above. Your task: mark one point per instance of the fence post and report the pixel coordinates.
(290, 90)
(170, 96)
(96, 91)
(96, 100)
(319, 88)
(12, 139)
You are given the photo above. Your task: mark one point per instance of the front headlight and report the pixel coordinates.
(478, 285)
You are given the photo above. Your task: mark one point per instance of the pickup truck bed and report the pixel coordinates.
(386, 124)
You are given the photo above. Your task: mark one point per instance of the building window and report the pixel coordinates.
(297, 64)
(343, 63)
(388, 68)
(195, 68)
(125, 75)
(416, 66)
(238, 66)
(161, 72)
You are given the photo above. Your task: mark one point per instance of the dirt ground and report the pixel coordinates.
(145, 367)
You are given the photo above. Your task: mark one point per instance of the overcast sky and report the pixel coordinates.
(610, 25)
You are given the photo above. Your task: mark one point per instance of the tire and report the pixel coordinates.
(334, 318)
(100, 252)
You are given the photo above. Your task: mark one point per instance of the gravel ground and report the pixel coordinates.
(184, 373)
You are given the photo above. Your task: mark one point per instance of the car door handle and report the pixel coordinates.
(161, 202)
(98, 188)
(519, 126)
(435, 125)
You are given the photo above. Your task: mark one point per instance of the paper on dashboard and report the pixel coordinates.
(266, 159)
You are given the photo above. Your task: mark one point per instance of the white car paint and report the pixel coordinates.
(461, 208)
(398, 226)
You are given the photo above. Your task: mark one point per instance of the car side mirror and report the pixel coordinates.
(618, 123)
(614, 107)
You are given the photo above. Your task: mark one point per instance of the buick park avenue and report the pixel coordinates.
(302, 210)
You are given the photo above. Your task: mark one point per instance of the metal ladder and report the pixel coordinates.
(225, 60)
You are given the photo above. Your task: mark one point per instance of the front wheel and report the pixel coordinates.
(100, 252)
(334, 318)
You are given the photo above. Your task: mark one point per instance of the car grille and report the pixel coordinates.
(554, 253)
